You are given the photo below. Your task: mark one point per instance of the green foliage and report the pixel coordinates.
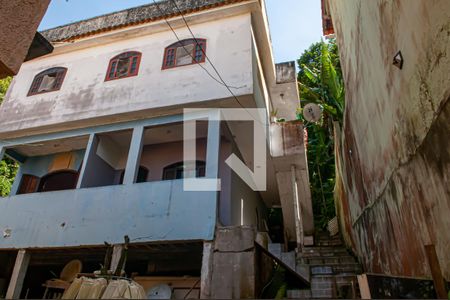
(320, 82)
(8, 168)
(8, 171)
(4, 84)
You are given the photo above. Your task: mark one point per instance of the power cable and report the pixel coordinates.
(222, 81)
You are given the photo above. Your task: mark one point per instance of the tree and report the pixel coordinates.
(4, 84)
(8, 167)
(320, 82)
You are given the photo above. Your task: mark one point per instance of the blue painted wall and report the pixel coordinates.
(151, 211)
(39, 165)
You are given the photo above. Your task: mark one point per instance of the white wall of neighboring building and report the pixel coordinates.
(85, 95)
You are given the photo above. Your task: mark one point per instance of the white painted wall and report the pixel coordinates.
(85, 95)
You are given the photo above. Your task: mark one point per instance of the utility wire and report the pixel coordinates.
(206, 56)
(203, 50)
(188, 52)
(222, 81)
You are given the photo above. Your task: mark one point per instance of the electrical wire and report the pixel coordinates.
(188, 52)
(222, 81)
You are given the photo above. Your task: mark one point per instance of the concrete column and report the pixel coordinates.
(90, 151)
(212, 149)
(134, 156)
(18, 275)
(297, 209)
(16, 184)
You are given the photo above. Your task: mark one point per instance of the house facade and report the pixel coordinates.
(97, 129)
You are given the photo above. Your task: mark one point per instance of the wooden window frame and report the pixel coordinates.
(60, 76)
(43, 180)
(184, 43)
(199, 164)
(129, 54)
(28, 184)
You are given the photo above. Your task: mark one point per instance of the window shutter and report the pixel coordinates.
(133, 69)
(123, 65)
(199, 52)
(36, 84)
(28, 184)
(59, 79)
(112, 69)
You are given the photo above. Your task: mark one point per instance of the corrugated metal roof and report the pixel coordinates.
(129, 17)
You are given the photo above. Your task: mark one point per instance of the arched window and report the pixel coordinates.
(185, 52)
(176, 171)
(124, 65)
(58, 181)
(48, 81)
(141, 177)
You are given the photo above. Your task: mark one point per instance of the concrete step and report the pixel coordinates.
(325, 260)
(323, 250)
(329, 242)
(324, 293)
(332, 269)
(298, 294)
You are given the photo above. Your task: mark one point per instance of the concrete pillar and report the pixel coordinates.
(305, 201)
(231, 272)
(90, 151)
(211, 181)
(16, 184)
(134, 156)
(212, 149)
(297, 209)
(18, 275)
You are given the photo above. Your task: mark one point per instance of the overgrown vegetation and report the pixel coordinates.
(8, 168)
(320, 82)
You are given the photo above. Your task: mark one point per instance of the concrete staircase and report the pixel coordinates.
(328, 265)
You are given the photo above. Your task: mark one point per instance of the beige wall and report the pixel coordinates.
(85, 99)
(19, 21)
(156, 157)
(394, 162)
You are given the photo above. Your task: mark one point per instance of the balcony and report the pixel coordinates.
(150, 211)
(99, 185)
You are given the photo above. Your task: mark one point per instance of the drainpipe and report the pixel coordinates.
(297, 209)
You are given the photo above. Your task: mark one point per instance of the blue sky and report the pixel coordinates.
(294, 24)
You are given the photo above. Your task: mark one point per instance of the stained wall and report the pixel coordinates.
(394, 158)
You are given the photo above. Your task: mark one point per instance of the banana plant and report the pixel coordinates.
(320, 82)
(327, 89)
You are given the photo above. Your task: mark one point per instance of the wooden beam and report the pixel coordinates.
(436, 273)
(206, 273)
(117, 253)
(18, 275)
(364, 286)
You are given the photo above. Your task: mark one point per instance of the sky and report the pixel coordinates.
(294, 24)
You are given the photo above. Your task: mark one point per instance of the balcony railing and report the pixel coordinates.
(146, 212)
